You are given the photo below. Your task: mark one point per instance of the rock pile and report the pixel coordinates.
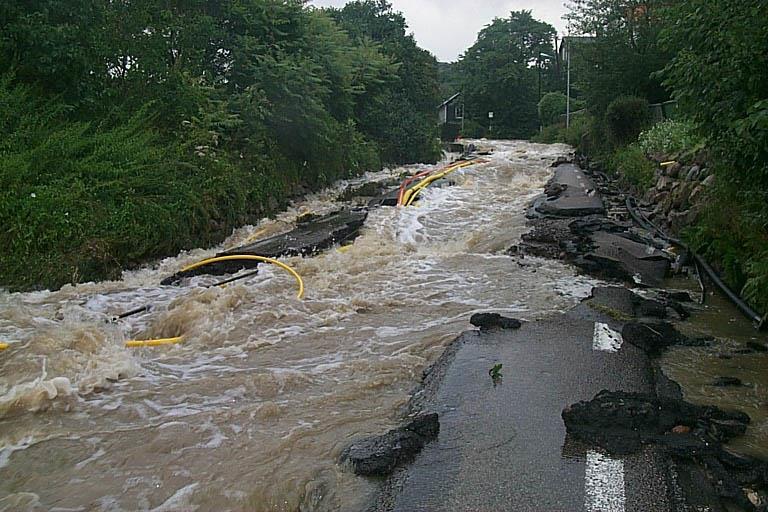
(678, 194)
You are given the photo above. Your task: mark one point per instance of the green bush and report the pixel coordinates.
(668, 138)
(735, 243)
(552, 106)
(580, 127)
(473, 130)
(633, 169)
(550, 134)
(625, 118)
(575, 135)
(80, 201)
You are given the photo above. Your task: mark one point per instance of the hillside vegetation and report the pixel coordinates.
(709, 55)
(131, 130)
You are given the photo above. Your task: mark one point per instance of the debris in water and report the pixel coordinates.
(486, 321)
(380, 455)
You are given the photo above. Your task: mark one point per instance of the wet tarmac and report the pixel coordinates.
(503, 445)
(502, 442)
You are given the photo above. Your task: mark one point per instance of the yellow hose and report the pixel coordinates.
(411, 194)
(240, 257)
(4, 346)
(153, 343)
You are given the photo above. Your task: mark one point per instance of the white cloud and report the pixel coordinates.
(448, 27)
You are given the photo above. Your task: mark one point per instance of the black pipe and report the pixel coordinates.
(233, 279)
(750, 313)
(743, 306)
(147, 307)
(132, 312)
(702, 287)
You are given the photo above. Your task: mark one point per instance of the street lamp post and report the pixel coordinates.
(538, 65)
(490, 123)
(568, 90)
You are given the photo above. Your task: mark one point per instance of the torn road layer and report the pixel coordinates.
(621, 423)
(306, 238)
(569, 222)
(691, 437)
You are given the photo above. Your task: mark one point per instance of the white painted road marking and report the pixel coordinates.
(604, 484)
(606, 339)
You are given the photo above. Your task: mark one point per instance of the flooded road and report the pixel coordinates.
(252, 410)
(731, 354)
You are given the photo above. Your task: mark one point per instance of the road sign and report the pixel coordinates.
(490, 115)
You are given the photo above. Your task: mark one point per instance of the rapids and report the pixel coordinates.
(252, 410)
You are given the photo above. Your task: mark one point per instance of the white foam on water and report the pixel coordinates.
(179, 500)
(579, 287)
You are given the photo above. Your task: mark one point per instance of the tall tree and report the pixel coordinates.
(501, 76)
(620, 52)
(401, 118)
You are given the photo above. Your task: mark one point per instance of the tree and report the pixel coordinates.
(400, 117)
(719, 76)
(500, 73)
(619, 54)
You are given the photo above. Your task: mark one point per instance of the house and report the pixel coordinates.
(451, 111)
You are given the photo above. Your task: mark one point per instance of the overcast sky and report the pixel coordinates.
(448, 27)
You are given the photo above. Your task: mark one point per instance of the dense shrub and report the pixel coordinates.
(633, 168)
(80, 201)
(473, 130)
(550, 134)
(735, 243)
(120, 144)
(719, 75)
(575, 135)
(668, 138)
(551, 107)
(625, 118)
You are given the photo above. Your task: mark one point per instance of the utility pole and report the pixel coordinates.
(568, 92)
(538, 65)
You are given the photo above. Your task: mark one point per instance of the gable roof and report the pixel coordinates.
(449, 100)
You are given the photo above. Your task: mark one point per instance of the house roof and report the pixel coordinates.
(449, 100)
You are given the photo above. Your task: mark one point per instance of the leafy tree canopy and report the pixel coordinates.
(500, 74)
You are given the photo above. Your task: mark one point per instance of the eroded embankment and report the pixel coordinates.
(696, 439)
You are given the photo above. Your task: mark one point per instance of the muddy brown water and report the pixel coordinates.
(252, 410)
(695, 369)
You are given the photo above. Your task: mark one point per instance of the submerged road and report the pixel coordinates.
(253, 410)
(502, 444)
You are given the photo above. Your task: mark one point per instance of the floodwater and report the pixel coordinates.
(729, 355)
(253, 409)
